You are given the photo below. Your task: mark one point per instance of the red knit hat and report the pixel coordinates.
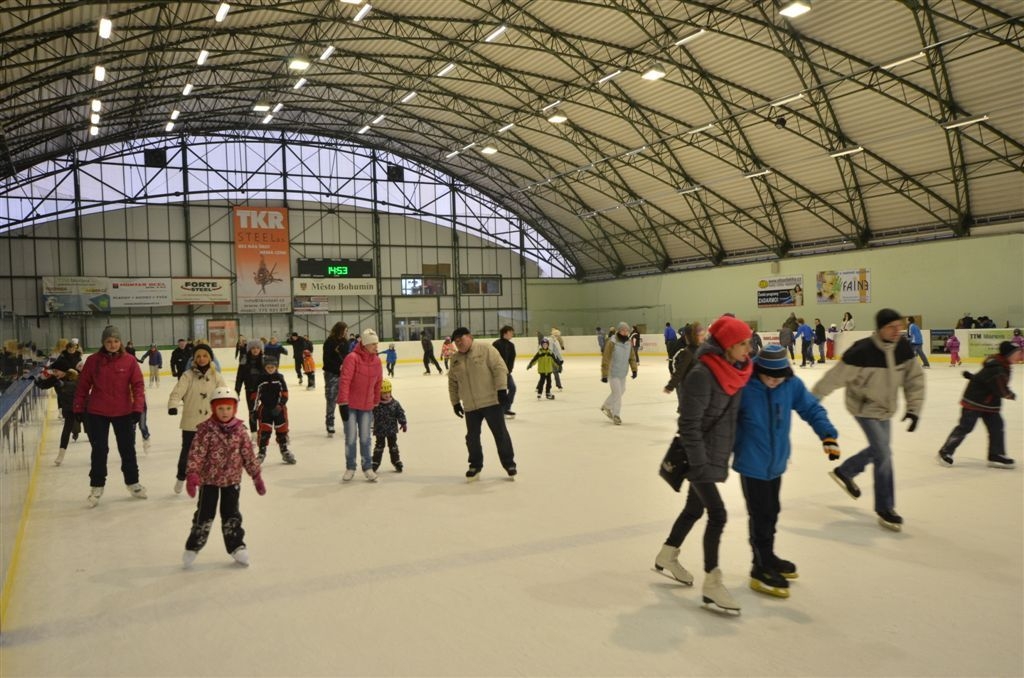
(729, 331)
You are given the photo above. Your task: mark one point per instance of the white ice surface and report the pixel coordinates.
(422, 574)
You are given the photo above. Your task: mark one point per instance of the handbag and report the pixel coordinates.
(675, 465)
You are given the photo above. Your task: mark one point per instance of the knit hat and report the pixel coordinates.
(271, 360)
(385, 387)
(728, 331)
(203, 347)
(886, 316)
(460, 332)
(368, 337)
(623, 326)
(253, 343)
(1007, 348)
(73, 342)
(773, 361)
(111, 332)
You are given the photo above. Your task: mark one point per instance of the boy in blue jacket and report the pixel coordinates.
(761, 454)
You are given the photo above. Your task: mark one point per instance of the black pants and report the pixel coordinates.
(250, 403)
(391, 368)
(789, 347)
(763, 510)
(230, 518)
(72, 425)
(298, 367)
(98, 429)
(186, 445)
(269, 422)
(968, 418)
(699, 497)
(495, 417)
(544, 382)
(311, 379)
(378, 449)
(429, 358)
(807, 353)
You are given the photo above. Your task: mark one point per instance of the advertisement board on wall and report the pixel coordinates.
(76, 295)
(309, 305)
(262, 263)
(844, 287)
(201, 290)
(781, 290)
(981, 343)
(333, 288)
(140, 292)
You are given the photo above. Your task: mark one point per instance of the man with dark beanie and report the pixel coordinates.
(872, 370)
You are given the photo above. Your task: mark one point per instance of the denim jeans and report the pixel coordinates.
(331, 395)
(878, 452)
(919, 352)
(357, 429)
(511, 392)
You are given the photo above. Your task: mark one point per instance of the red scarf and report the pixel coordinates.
(728, 376)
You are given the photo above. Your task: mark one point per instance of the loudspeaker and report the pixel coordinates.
(396, 173)
(155, 157)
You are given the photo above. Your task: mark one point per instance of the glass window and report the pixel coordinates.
(480, 285)
(417, 285)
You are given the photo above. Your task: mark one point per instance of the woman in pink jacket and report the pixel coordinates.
(111, 392)
(358, 394)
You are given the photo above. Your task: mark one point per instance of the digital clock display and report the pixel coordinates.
(334, 268)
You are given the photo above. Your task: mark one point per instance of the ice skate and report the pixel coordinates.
(715, 595)
(549, 396)
(287, 457)
(261, 455)
(512, 472)
(768, 581)
(60, 457)
(616, 420)
(784, 567)
(94, 496)
(187, 558)
(890, 520)
(510, 414)
(241, 556)
(945, 459)
(145, 445)
(179, 485)
(350, 473)
(371, 475)
(667, 563)
(138, 491)
(399, 466)
(847, 484)
(607, 413)
(1001, 461)
(538, 395)
(330, 430)
(472, 474)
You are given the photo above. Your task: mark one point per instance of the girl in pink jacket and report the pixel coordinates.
(358, 394)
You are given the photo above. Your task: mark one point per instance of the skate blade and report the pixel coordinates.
(761, 587)
(665, 573)
(715, 607)
(895, 527)
(996, 464)
(790, 575)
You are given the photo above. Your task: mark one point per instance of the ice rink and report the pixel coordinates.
(423, 574)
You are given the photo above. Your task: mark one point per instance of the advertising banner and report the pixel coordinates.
(981, 343)
(76, 295)
(201, 290)
(780, 290)
(309, 305)
(844, 287)
(333, 288)
(262, 262)
(140, 292)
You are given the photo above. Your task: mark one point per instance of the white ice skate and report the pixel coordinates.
(94, 496)
(667, 563)
(241, 556)
(716, 597)
(60, 457)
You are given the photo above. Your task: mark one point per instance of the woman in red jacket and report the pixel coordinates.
(358, 394)
(111, 392)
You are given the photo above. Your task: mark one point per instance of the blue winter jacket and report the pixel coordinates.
(762, 445)
(914, 335)
(805, 332)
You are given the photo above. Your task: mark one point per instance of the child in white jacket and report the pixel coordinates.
(192, 395)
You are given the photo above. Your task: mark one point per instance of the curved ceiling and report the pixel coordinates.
(735, 154)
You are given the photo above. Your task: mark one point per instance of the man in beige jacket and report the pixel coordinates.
(477, 388)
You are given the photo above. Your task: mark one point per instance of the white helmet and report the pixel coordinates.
(223, 393)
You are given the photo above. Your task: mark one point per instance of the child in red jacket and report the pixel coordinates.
(219, 452)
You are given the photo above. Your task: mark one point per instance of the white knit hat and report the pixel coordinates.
(368, 337)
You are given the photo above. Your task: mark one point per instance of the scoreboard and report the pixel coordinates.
(334, 268)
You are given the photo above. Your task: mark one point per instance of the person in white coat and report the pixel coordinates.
(191, 395)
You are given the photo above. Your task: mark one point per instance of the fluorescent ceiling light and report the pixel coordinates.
(203, 56)
(691, 36)
(298, 64)
(352, 2)
(94, 105)
(690, 189)
(106, 26)
(609, 77)
(363, 11)
(900, 62)
(451, 155)
(408, 97)
(94, 130)
(698, 130)
(634, 203)
(963, 122)
(277, 108)
(364, 129)
(94, 118)
(299, 83)
(846, 151)
(187, 89)
(488, 150)
(446, 70)
(759, 173)
(635, 151)
(654, 72)
(557, 117)
(168, 127)
(327, 52)
(795, 8)
(506, 127)
(787, 100)
(267, 118)
(468, 146)
(550, 106)
(175, 113)
(379, 119)
(261, 107)
(495, 33)
(222, 12)
(100, 74)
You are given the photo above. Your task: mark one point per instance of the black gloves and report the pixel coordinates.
(135, 417)
(913, 421)
(457, 408)
(503, 397)
(172, 411)
(344, 412)
(634, 374)
(604, 380)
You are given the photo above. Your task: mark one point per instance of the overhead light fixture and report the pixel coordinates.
(964, 122)
(488, 150)
(698, 130)
(168, 127)
(654, 72)
(636, 151)
(106, 26)
(780, 121)
(364, 129)
(787, 100)
(446, 70)
(587, 215)
(690, 189)
(267, 118)
(175, 113)
(408, 97)
(94, 130)
(94, 118)
(691, 36)
(187, 89)
(900, 62)
(550, 106)
(495, 33)
(379, 119)
(222, 12)
(506, 127)
(352, 2)
(451, 155)
(261, 107)
(100, 74)
(203, 56)
(298, 64)
(557, 117)
(361, 14)
(277, 108)
(468, 146)
(299, 83)
(95, 105)
(759, 173)
(327, 53)
(846, 151)
(795, 8)
(609, 77)
(634, 203)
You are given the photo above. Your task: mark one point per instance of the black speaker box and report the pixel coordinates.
(396, 173)
(155, 157)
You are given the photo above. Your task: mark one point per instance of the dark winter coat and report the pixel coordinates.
(762, 429)
(153, 358)
(272, 391)
(507, 349)
(428, 346)
(249, 373)
(276, 350)
(110, 385)
(819, 334)
(65, 389)
(681, 361)
(179, 359)
(334, 353)
(987, 388)
(707, 421)
(387, 417)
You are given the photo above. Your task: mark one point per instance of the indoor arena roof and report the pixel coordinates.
(635, 135)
